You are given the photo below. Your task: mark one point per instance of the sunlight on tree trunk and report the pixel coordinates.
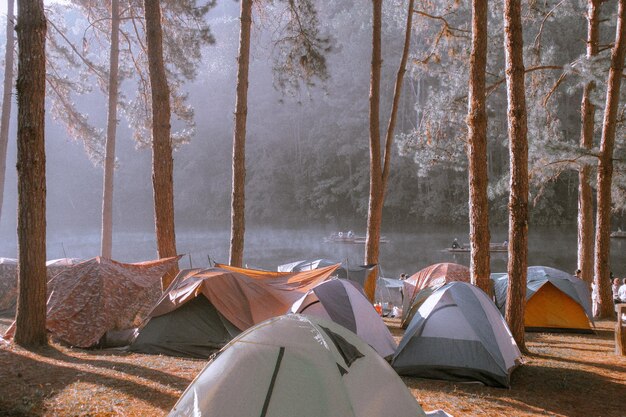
(238, 225)
(477, 151)
(585, 194)
(378, 174)
(605, 167)
(518, 156)
(30, 319)
(162, 161)
(7, 97)
(109, 159)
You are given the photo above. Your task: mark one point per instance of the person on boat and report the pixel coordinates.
(615, 290)
(455, 244)
(578, 274)
(350, 234)
(621, 293)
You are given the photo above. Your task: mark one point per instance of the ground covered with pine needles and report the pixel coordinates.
(563, 375)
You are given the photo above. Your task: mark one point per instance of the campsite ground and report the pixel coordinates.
(563, 375)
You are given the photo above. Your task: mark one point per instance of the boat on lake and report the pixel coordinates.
(619, 233)
(350, 237)
(493, 247)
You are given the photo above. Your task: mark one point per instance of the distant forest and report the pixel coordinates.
(307, 147)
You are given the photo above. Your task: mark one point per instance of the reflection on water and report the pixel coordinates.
(407, 252)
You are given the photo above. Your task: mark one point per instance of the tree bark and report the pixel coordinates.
(30, 321)
(238, 226)
(477, 151)
(585, 194)
(605, 167)
(518, 156)
(162, 161)
(5, 118)
(109, 158)
(379, 171)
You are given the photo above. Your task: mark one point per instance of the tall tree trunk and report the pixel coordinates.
(5, 118)
(30, 321)
(109, 158)
(238, 225)
(379, 170)
(477, 151)
(162, 161)
(518, 156)
(605, 166)
(587, 111)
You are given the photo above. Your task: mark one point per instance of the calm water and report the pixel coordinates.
(265, 248)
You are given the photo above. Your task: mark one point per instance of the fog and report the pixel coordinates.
(307, 160)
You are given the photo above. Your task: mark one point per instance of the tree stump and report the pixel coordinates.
(620, 331)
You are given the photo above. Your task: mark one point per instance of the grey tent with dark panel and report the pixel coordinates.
(344, 303)
(458, 334)
(195, 329)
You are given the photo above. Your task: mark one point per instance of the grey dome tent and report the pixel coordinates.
(344, 303)
(458, 334)
(351, 273)
(297, 365)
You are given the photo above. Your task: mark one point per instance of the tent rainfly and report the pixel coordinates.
(100, 295)
(555, 300)
(458, 334)
(352, 273)
(203, 309)
(301, 366)
(344, 303)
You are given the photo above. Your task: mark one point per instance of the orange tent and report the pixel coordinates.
(245, 297)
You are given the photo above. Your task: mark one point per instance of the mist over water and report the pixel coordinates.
(268, 247)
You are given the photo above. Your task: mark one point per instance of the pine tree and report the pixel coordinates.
(30, 319)
(162, 160)
(605, 165)
(380, 164)
(518, 151)
(477, 150)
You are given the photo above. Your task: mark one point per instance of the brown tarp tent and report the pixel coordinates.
(245, 297)
(203, 309)
(100, 295)
(8, 278)
(8, 283)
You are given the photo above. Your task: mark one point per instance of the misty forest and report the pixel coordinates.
(281, 207)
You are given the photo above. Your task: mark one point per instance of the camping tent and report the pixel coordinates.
(555, 300)
(8, 278)
(8, 283)
(301, 366)
(205, 308)
(433, 276)
(458, 334)
(100, 295)
(344, 303)
(389, 290)
(352, 273)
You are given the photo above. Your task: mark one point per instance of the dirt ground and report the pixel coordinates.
(563, 375)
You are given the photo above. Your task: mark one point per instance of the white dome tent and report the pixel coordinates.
(296, 365)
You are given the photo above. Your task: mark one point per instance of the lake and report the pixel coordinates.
(406, 252)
